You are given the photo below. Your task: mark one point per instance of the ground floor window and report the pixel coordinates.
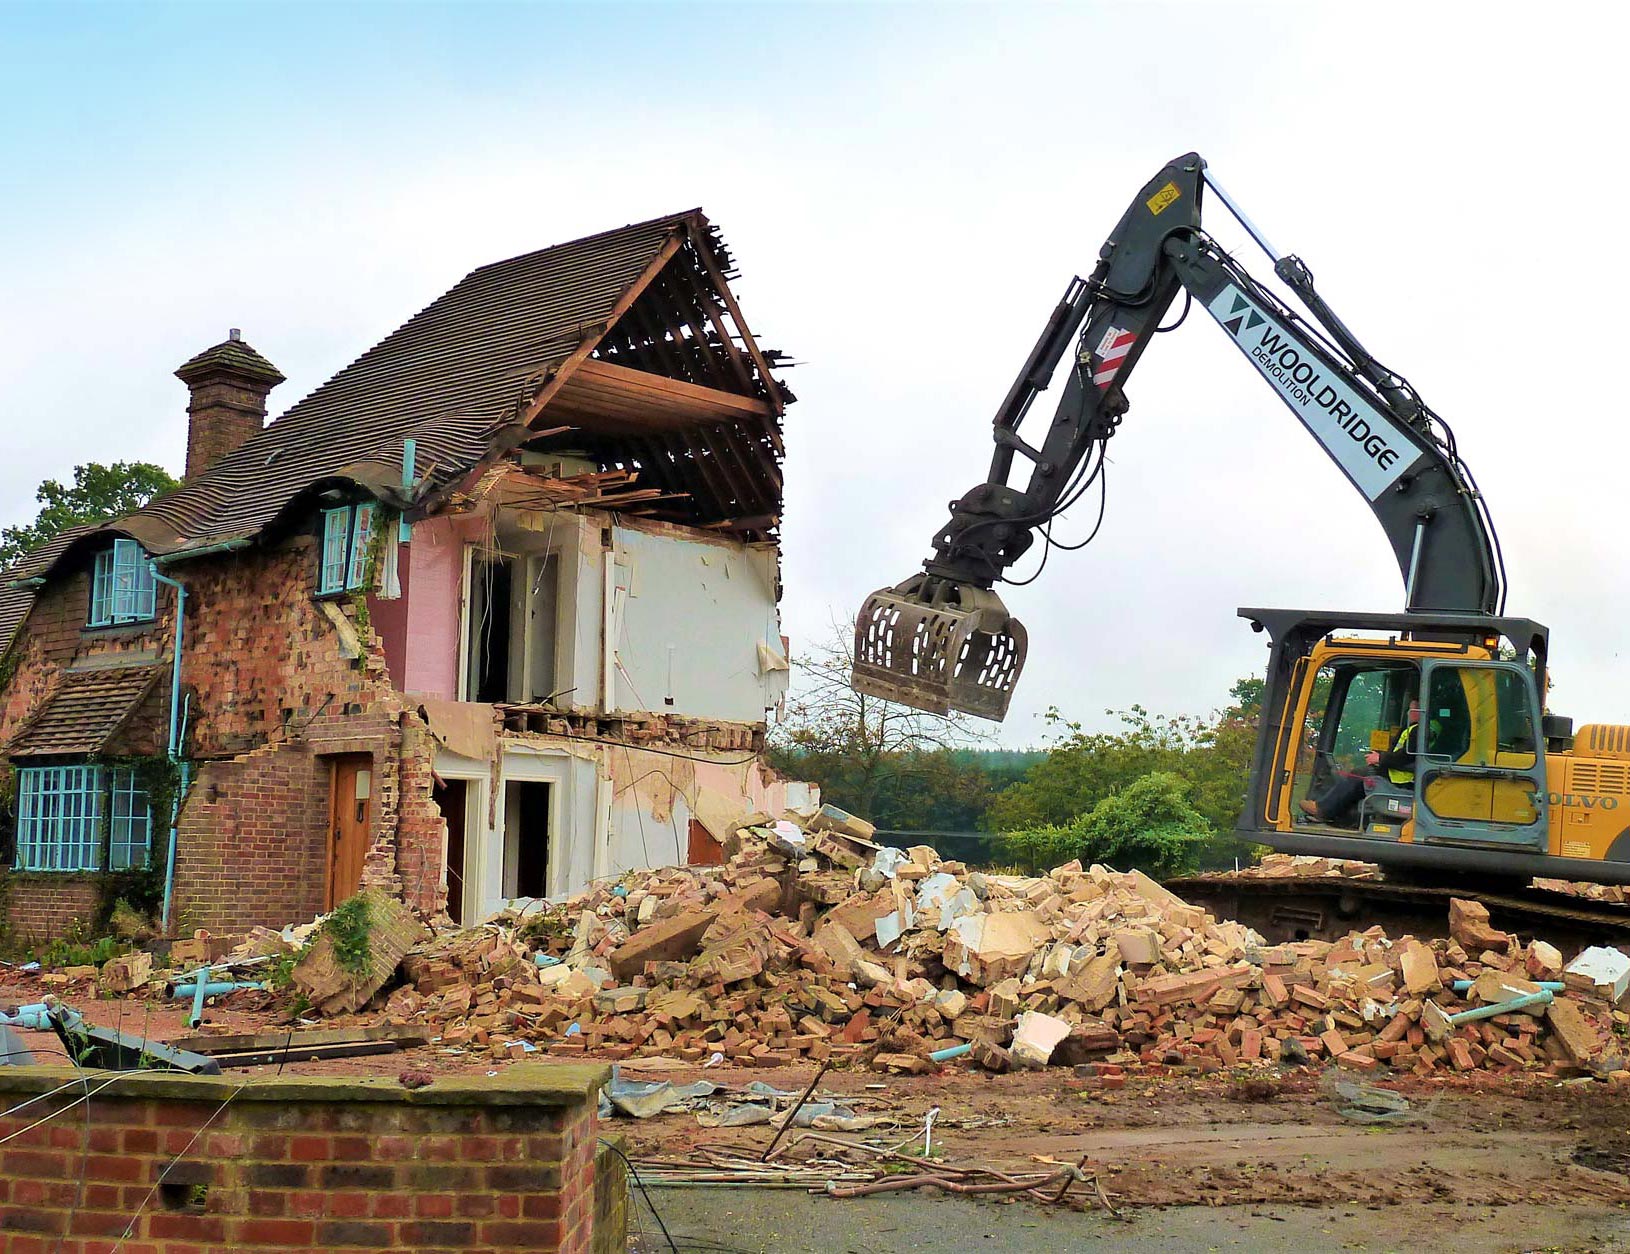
(82, 817)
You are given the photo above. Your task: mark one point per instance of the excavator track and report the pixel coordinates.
(1324, 907)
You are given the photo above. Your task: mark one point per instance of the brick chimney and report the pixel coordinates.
(229, 384)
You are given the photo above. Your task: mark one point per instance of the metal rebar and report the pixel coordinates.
(793, 1113)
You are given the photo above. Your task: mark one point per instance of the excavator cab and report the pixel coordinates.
(1341, 686)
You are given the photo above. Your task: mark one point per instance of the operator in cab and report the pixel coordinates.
(1345, 791)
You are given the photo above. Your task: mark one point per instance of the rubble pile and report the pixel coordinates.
(1276, 866)
(812, 941)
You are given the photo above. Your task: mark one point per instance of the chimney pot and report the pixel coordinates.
(229, 384)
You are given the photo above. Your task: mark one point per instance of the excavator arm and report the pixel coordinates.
(943, 640)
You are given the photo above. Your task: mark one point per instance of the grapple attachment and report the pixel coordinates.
(939, 646)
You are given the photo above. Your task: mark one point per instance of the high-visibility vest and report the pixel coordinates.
(1398, 774)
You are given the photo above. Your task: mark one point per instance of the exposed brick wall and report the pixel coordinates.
(40, 907)
(421, 830)
(318, 1163)
(262, 659)
(272, 697)
(610, 1197)
(252, 843)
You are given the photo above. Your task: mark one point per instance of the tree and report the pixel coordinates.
(885, 762)
(1210, 755)
(1149, 825)
(98, 492)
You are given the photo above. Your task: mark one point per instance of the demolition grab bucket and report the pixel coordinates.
(939, 646)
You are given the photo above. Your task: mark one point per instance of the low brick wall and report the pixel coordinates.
(208, 1164)
(41, 905)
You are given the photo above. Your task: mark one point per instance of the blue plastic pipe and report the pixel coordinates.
(1553, 986)
(33, 1016)
(172, 748)
(951, 1051)
(213, 988)
(1541, 998)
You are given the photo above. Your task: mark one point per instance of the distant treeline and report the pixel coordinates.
(1164, 791)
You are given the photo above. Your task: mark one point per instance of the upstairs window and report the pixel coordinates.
(83, 817)
(123, 589)
(346, 531)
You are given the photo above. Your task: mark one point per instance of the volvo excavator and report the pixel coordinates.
(1501, 792)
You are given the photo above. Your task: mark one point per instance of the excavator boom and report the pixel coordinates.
(942, 640)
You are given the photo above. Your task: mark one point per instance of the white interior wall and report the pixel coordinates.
(572, 820)
(687, 621)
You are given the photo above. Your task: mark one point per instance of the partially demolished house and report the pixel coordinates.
(490, 614)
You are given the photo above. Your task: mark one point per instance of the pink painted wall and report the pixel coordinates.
(434, 570)
(390, 622)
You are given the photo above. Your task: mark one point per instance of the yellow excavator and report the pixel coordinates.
(1495, 789)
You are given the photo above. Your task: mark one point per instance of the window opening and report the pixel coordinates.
(344, 562)
(1355, 706)
(61, 811)
(130, 833)
(491, 585)
(542, 622)
(514, 627)
(123, 589)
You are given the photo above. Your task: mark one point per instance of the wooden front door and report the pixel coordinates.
(350, 825)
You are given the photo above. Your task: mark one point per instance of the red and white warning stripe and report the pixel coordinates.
(1111, 352)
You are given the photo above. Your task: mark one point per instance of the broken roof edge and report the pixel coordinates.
(164, 545)
(661, 219)
(155, 527)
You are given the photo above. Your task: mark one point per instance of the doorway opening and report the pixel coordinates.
(492, 582)
(513, 630)
(452, 799)
(526, 839)
(350, 825)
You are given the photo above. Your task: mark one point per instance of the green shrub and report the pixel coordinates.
(1149, 825)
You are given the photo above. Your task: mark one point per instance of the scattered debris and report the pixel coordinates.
(356, 951)
(811, 942)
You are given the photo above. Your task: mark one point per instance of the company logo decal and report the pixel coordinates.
(1365, 442)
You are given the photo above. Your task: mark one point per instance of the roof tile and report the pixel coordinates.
(84, 712)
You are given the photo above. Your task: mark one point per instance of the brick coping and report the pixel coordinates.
(534, 1084)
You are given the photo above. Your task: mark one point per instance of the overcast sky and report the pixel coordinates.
(907, 190)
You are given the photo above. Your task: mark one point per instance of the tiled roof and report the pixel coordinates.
(448, 377)
(15, 602)
(84, 712)
(14, 606)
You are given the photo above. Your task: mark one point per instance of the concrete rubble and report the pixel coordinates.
(811, 942)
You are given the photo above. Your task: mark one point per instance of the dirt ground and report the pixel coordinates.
(1210, 1141)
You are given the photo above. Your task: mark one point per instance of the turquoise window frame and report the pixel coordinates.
(343, 560)
(123, 589)
(82, 816)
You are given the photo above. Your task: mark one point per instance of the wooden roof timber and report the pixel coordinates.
(603, 396)
(660, 419)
